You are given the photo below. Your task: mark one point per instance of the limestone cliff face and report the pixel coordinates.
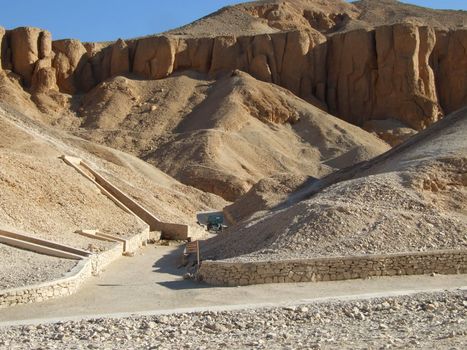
(3, 48)
(384, 73)
(449, 61)
(28, 52)
(69, 61)
(406, 72)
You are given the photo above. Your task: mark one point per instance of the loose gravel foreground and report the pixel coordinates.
(428, 321)
(19, 267)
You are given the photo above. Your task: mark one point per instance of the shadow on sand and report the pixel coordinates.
(171, 264)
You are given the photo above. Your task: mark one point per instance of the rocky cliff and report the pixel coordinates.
(404, 71)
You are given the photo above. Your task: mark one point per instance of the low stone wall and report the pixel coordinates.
(134, 243)
(48, 290)
(72, 281)
(102, 260)
(223, 273)
(67, 285)
(43, 246)
(174, 231)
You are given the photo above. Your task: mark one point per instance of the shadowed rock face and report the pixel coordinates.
(449, 60)
(403, 71)
(3, 47)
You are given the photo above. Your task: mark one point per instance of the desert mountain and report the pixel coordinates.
(331, 134)
(361, 61)
(327, 17)
(411, 198)
(202, 121)
(275, 89)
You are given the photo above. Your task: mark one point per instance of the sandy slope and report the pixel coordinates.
(44, 197)
(221, 136)
(269, 16)
(265, 195)
(412, 198)
(31, 170)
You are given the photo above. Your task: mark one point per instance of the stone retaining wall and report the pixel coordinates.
(125, 202)
(72, 281)
(102, 260)
(137, 241)
(48, 290)
(223, 273)
(67, 285)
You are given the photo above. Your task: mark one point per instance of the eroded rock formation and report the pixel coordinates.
(28, 53)
(383, 73)
(449, 61)
(411, 73)
(3, 47)
(68, 62)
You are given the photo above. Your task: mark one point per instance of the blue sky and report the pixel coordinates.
(101, 20)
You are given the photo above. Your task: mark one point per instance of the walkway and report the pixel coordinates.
(150, 283)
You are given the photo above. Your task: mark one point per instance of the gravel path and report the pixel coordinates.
(21, 267)
(420, 321)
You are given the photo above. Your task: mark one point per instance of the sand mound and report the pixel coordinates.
(411, 198)
(221, 136)
(389, 130)
(265, 195)
(44, 196)
(386, 12)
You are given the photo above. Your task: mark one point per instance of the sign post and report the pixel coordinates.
(193, 247)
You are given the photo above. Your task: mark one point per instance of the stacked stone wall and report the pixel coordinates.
(224, 273)
(73, 280)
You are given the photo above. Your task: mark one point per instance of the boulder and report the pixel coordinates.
(45, 45)
(278, 43)
(194, 54)
(25, 51)
(259, 68)
(44, 79)
(351, 66)
(401, 91)
(86, 79)
(264, 62)
(155, 57)
(120, 58)
(70, 57)
(295, 63)
(383, 73)
(44, 76)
